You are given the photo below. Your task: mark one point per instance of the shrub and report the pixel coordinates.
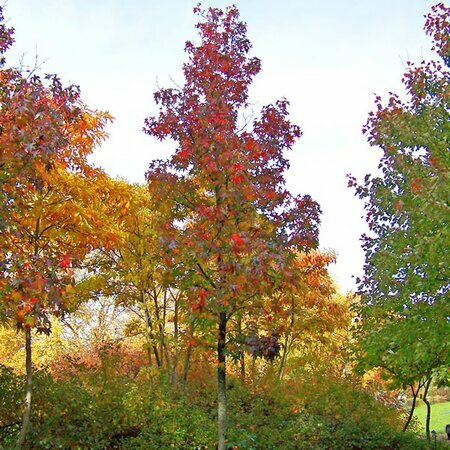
(11, 397)
(173, 421)
(122, 413)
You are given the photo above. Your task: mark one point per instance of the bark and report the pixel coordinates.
(163, 332)
(413, 406)
(28, 362)
(28, 389)
(222, 383)
(150, 337)
(287, 344)
(253, 371)
(160, 321)
(242, 367)
(242, 354)
(149, 357)
(426, 401)
(175, 338)
(283, 357)
(157, 357)
(187, 361)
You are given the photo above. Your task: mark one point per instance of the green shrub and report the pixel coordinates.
(11, 398)
(174, 423)
(69, 415)
(119, 413)
(326, 414)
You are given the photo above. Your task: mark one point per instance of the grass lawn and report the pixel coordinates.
(440, 415)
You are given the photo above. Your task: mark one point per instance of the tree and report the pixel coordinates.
(129, 269)
(46, 134)
(234, 227)
(406, 281)
(313, 315)
(303, 323)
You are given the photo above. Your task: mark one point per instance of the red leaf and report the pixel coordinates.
(237, 240)
(65, 263)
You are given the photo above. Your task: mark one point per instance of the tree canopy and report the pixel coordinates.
(405, 310)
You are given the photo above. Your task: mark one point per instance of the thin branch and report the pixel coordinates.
(206, 276)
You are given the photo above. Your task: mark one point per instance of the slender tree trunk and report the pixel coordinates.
(242, 367)
(150, 337)
(253, 371)
(425, 400)
(413, 406)
(28, 389)
(28, 362)
(164, 357)
(187, 361)
(149, 355)
(287, 344)
(175, 338)
(222, 382)
(242, 353)
(156, 353)
(163, 333)
(283, 356)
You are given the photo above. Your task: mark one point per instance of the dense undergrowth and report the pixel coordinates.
(94, 412)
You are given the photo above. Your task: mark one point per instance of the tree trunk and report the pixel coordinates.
(187, 361)
(150, 337)
(283, 357)
(413, 406)
(242, 353)
(425, 400)
(222, 382)
(242, 367)
(158, 359)
(287, 344)
(253, 371)
(164, 343)
(149, 357)
(28, 389)
(175, 338)
(160, 322)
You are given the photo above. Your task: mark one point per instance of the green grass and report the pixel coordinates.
(440, 415)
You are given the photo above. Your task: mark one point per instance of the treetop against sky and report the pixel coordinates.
(327, 58)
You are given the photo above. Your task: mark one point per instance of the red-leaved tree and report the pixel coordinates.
(46, 134)
(234, 227)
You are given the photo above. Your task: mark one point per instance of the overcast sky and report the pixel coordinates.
(328, 58)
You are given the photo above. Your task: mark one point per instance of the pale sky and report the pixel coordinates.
(328, 58)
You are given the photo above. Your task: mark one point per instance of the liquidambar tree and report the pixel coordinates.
(234, 228)
(45, 136)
